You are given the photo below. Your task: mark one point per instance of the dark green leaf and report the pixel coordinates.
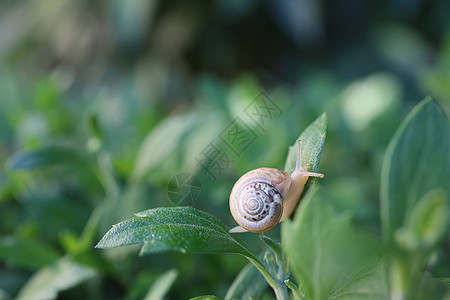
(43, 157)
(182, 229)
(27, 253)
(416, 162)
(4, 295)
(94, 126)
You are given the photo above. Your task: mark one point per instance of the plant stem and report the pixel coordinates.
(278, 287)
(281, 292)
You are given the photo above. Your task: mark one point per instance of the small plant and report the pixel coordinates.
(329, 257)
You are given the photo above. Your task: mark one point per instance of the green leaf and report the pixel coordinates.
(46, 283)
(160, 142)
(248, 284)
(313, 140)
(182, 229)
(27, 253)
(277, 249)
(429, 219)
(322, 247)
(161, 286)
(427, 223)
(369, 282)
(416, 162)
(44, 157)
(294, 289)
(206, 297)
(93, 125)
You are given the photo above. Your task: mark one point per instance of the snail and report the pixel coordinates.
(264, 197)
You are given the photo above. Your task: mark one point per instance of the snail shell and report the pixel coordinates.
(263, 197)
(257, 198)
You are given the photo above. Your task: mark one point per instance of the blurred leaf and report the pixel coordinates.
(182, 229)
(160, 142)
(294, 289)
(27, 253)
(369, 282)
(46, 283)
(75, 244)
(322, 247)
(94, 125)
(429, 219)
(313, 140)
(365, 100)
(4, 295)
(161, 286)
(206, 297)
(131, 20)
(430, 288)
(416, 162)
(44, 157)
(248, 284)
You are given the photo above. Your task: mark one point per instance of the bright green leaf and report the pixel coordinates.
(429, 219)
(294, 289)
(416, 162)
(161, 286)
(313, 140)
(322, 247)
(46, 283)
(182, 229)
(370, 282)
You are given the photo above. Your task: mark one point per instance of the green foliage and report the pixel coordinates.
(161, 286)
(46, 283)
(416, 163)
(313, 140)
(183, 229)
(186, 229)
(317, 245)
(45, 157)
(103, 103)
(249, 283)
(27, 252)
(414, 195)
(206, 297)
(429, 218)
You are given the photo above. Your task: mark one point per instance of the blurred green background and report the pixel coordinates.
(118, 97)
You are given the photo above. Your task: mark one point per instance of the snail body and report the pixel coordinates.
(264, 197)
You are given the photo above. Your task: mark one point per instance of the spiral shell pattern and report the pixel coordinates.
(256, 200)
